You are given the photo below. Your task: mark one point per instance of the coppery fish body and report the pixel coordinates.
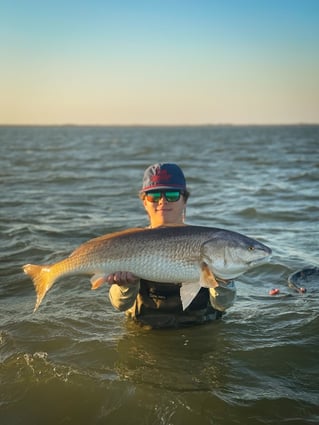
(183, 254)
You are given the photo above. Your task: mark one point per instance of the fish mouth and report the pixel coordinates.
(262, 260)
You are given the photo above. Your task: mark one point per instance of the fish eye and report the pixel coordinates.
(251, 248)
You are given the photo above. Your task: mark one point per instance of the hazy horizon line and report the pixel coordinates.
(158, 125)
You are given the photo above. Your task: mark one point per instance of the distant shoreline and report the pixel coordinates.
(163, 125)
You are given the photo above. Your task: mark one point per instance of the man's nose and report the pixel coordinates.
(162, 199)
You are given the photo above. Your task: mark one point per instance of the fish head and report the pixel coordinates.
(230, 254)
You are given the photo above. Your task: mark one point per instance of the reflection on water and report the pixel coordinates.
(144, 357)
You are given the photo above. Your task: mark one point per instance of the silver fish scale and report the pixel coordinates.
(167, 256)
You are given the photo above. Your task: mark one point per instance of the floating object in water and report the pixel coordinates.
(274, 291)
(307, 275)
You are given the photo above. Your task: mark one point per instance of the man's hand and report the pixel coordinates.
(122, 279)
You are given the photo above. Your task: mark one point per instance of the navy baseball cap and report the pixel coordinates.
(163, 176)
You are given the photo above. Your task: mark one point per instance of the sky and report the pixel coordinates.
(159, 62)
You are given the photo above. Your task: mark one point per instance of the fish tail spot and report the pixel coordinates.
(42, 280)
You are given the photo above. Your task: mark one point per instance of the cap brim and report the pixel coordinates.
(159, 187)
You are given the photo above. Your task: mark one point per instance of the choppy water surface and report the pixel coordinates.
(76, 360)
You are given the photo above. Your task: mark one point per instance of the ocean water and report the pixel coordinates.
(78, 361)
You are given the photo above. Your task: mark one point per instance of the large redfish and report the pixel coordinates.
(191, 255)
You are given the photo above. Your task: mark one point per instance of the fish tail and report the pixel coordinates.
(43, 278)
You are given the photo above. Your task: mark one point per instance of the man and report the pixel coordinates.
(164, 195)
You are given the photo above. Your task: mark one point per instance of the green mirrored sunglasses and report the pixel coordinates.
(169, 195)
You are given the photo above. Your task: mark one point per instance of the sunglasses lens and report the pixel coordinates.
(170, 196)
(153, 196)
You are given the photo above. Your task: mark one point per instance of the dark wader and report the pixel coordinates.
(158, 305)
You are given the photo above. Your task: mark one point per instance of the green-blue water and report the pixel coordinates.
(76, 360)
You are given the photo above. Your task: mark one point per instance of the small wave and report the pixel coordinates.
(34, 367)
(249, 212)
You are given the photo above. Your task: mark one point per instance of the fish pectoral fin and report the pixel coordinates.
(207, 278)
(188, 292)
(97, 280)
